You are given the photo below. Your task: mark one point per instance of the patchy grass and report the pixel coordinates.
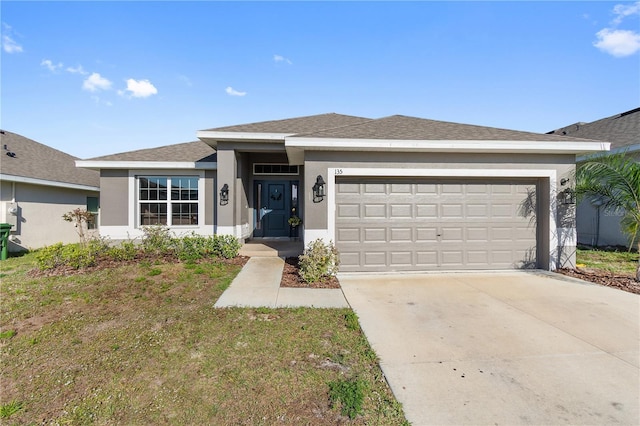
(619, 262)
(142, 344)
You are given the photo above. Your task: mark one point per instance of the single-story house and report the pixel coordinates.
(597, 226)
(395, 194)
(38, 184)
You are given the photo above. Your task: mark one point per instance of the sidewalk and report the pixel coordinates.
(258, 285)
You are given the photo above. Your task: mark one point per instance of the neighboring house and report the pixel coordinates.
(598, 226)
(396, 193)
(38, 184)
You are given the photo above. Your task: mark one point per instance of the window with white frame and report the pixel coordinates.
(168, 200)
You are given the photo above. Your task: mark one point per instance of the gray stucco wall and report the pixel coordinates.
(40, 209)
(114, 197)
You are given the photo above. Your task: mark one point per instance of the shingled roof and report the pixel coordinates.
(34, 160)
(400, 127)
(620, 129)
(197, 151)
(312, 123)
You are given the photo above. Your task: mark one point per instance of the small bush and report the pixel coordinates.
(350, 393)
(127, 250)
(226, 246)
(319, 260)
(157, 239)
(50, 257)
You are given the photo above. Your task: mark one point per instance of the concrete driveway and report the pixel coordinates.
(503, 348)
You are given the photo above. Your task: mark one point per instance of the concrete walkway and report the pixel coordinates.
(258, 285)
(509, 348)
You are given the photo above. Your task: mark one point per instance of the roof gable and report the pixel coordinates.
(34, 160)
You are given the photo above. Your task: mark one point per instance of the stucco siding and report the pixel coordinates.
(114, 197)
(40, 210)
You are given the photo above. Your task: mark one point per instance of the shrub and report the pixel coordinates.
(350, 393)
(193, 247)
(319, 260)
(127, 250)
(50, 257)
(226, 246)
(157, 239)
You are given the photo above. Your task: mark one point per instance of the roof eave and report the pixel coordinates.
(294, 145)
(173, 165)
(46, 182)
(212, 138)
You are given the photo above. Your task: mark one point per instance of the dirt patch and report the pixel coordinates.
(291, 277)
(622, 282)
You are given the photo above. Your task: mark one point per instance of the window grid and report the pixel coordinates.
(155, 189)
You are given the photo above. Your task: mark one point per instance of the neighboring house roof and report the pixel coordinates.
(40, 164)
(312, 123)
(183, 155)
(622, 130)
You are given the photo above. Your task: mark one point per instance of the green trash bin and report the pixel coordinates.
(5, 229)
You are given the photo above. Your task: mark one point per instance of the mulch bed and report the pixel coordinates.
(622, 282)
(291, 278)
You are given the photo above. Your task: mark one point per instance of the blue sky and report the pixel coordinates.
(96, 78)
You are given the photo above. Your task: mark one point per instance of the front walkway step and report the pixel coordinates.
(261, 248)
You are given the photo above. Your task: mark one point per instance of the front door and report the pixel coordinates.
(273, 207)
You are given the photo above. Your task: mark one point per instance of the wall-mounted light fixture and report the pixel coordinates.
(564, 181)
(568, 196)
(318, 190)
(224, 195)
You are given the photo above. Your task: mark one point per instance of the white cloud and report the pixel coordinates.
(618, 43)
(77, 70)
(232, 92)
(139, 88)
(96, 82)
(623, 10)
(9, 45)
(47, 63)
(280, 58)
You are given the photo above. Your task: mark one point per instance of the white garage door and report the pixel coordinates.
(397, 224)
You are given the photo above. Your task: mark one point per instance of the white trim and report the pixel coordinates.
(476, 146)
(335, 172)
(211, 137)
(45, 182)
(127, 233)
(201, 228)
(184, 165)
(235, 230)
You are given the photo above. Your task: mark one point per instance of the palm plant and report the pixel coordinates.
(614, 179)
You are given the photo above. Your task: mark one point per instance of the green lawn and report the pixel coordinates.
(620, 262)
(142, 344)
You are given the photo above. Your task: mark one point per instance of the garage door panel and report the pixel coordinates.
(375, 211)
(375, 234)
(348, 235)
(420, 224)
(348, 211)
(426, 211)
(401, 234)
(375, 258)
(451, 210)
(398, 211)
